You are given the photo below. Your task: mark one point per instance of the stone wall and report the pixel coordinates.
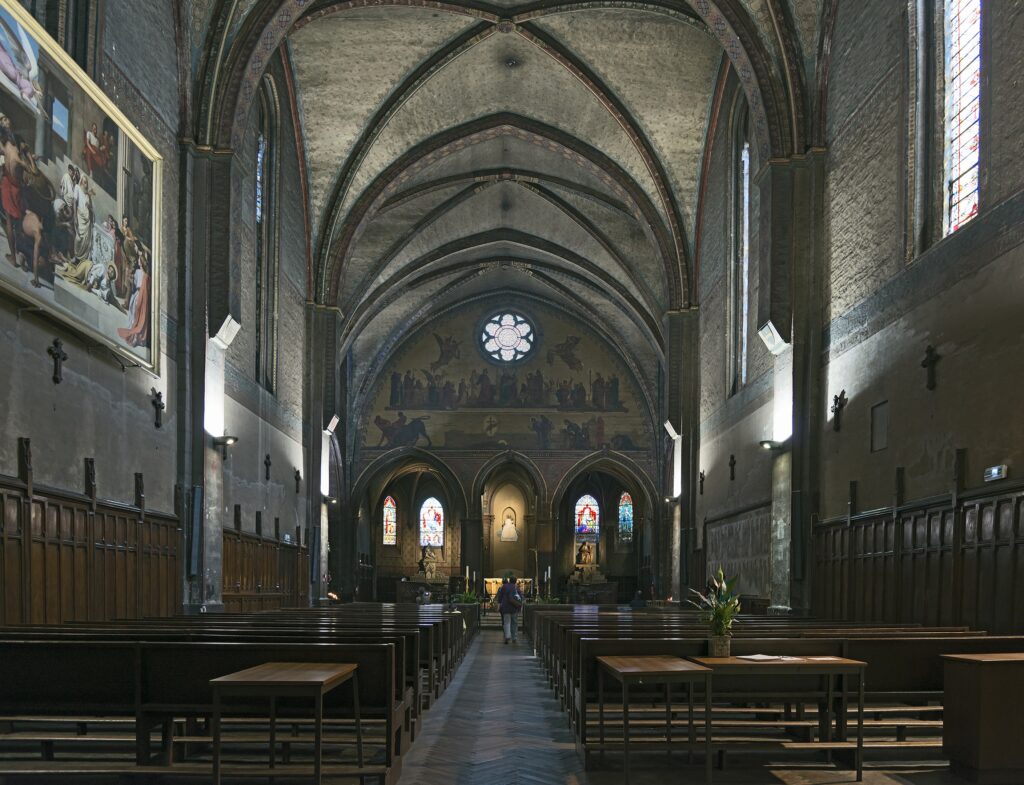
(100, 410)
(268, 422)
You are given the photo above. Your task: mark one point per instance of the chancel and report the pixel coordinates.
(426, 392)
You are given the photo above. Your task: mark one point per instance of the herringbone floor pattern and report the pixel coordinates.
(498, 724)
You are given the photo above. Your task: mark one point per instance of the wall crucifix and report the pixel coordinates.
(732, 467)
(838, 404)
(931, 359)
(266, 464)
(157, 401)
(56, 351)
(701, 476)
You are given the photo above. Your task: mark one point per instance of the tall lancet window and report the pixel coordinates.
(266, 239)
(390, 522)
(963, 111)
(432, 523)
(740, 277)
(626, 518)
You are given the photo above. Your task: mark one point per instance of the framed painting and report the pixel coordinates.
(79, 197)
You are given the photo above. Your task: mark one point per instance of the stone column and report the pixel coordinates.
(208, 319)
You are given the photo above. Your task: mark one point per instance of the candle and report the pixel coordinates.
(467, 572)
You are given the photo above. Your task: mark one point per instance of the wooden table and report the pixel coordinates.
(982, 725)
(826, 667)
(273, 680)
(656, 669)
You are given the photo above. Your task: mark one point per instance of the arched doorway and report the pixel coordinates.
(513, 539)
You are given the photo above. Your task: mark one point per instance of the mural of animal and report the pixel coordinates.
(401, 432)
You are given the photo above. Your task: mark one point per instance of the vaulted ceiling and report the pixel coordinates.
(554, 151)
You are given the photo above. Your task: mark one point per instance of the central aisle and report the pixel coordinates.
(496, 724)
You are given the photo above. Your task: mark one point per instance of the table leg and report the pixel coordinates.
(860, 727)
(829, 712)
(273, 730)
(689, 725)
(668, 717)
(318, 737)
(600, 711)
(707, 729)
(625, 728)
(359, 721)
(215, 731)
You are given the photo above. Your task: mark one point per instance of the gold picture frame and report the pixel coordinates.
(80, 198)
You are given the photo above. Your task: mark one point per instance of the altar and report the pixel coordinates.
(491, 586)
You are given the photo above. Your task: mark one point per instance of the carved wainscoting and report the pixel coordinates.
(264, 573)
(68, 557)
(955, 559)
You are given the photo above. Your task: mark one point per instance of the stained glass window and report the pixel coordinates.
(507, 337)
(963, 111)
(626, 518)
(390, 522)
(432, 523)
(588, 516)
(739, 306)
(261, 174)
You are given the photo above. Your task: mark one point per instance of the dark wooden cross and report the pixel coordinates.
(732, 467)
(701, 482)
(838, 404)
(266, 464)
(931, 358)
(157, 400)
(56, 351)
(298, 480)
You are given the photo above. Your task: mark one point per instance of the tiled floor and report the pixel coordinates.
(498, 724)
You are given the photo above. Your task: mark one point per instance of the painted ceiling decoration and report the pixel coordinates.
(553, 149)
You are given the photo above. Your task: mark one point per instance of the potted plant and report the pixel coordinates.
(718, 606)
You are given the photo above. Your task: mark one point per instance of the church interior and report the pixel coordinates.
(413, 392)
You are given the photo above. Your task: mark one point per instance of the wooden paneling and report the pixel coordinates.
(263, 573)
(83, 559)
(945, 561)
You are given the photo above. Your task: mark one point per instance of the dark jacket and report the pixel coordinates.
(507, 591)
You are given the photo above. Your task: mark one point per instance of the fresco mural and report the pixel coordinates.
(77, 193)
(444, 391)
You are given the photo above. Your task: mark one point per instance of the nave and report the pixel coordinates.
(499, 724)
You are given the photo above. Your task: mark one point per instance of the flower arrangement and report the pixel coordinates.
(719, 606)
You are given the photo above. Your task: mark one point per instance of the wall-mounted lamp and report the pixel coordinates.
(330, 499)
(223, 442)
(768, 444)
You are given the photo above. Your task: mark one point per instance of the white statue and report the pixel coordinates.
(509, 532)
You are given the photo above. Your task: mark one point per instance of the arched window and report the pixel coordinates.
(963, 111)
(72, 24)
(390, 521)
(739, 296)
(626, 518)
(588, 516)
(432, 523)
(266, 238)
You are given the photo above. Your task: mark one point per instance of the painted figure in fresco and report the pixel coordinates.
(575, 437)
(137, 332)
(396, 390)
(448, 350)
(542, 426)
(509, 532)
(401, 433)
(566, 352)
(19, 66)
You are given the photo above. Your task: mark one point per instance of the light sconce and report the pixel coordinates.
(768, 444)
(223, 442)
(330, 499)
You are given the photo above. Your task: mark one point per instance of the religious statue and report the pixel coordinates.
(509, 532)
(585, 553)
(427, 563)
